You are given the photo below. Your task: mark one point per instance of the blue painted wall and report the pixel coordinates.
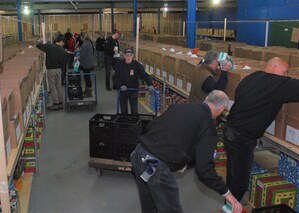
(215, 18)
(253, 32)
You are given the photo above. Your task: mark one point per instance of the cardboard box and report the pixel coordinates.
(20, 90)
(292, 129)
(269, 189)
(272, 54)
(4, 105)
(294, 61)
(9, 95)
(180, 81)
(188, 81)
(7, 142)
(16, 129)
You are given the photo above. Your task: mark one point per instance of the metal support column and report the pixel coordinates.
(32, 19)
(191, 23)
(38, 18)
(134, 17)
(19, 20)
(112, 17)
(159, 20)
(101, 20)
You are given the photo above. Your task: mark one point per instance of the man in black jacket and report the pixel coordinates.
(100, 50)
(111, 47)
(183, 133)
(258, 99)
(127, 74)
(56, 58)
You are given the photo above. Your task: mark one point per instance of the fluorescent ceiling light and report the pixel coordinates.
(26, 10)
(215, 2)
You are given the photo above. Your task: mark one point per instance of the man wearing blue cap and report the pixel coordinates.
(127, 74)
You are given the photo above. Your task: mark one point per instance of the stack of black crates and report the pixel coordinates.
(74, 87)
(116, 136)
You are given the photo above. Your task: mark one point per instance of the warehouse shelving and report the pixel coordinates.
(7, 169)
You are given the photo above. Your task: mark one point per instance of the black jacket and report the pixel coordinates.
(185, 133)
(56, 56)
(129, 74)
(100, 44)
(109, 45)
(258, 99)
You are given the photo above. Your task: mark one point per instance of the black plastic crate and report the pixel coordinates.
(122, 151)
(75, 92)
(145, 120)
(101, 136)
(280, 208)
(74, 80)
(127, 129)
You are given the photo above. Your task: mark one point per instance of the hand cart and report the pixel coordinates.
(74, 96)
(114, 137)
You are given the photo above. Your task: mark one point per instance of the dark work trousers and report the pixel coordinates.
(88, 82)
(132, 97)
(161, 192)
(70, 60)
(239, 151)
(108, 68)
(63, 73)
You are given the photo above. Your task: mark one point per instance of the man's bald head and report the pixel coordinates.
(277, 66)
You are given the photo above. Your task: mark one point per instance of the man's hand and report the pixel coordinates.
(123, 88)
(236, 206)
(151, 88)
(226, 66)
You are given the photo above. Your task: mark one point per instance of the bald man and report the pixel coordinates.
(258, 99)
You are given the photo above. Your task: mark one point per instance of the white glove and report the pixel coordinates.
(115, 49)
(123, 88)
(151, 88)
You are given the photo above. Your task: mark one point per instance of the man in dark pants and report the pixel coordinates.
(111, 47)
(204, 79)
(127, 74)
(183, 133)
(56, 57)
(258, 99)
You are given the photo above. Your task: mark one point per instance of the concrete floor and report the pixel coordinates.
(65, 183)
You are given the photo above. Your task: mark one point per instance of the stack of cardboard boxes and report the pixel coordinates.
(22, 70)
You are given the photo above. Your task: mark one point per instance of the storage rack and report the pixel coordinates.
(6, 170)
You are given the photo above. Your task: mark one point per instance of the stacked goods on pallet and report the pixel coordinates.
(288, 168)
(269, 189)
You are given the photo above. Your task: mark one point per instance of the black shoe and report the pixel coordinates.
(108, 88)
(60, 105)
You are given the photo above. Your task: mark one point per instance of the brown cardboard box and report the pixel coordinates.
(188, 81)
(180, 81)
(8, 94)
(292, 129)
(4, 105)
(20, 90)
(272, 54)
(294, 61)
(7, 143)
(16, 129)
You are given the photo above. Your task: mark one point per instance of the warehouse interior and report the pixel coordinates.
(45, 156)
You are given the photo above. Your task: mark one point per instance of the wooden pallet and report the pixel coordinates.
(101, 163)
